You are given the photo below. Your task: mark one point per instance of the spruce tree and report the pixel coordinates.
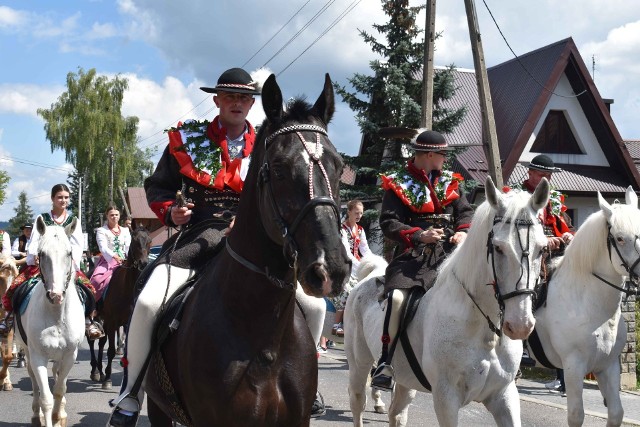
(24, 215)
(391, 97)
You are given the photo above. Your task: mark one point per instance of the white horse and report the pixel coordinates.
(466, 334)
(580, 327)
(53, 324)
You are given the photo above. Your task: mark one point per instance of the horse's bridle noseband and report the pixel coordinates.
(287, 232)
(496, 289)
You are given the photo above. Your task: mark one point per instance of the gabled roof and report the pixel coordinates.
(138, 204)
(521, 90)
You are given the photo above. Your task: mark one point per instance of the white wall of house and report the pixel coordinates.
(593, 154)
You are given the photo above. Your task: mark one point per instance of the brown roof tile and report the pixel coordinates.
(138, 204)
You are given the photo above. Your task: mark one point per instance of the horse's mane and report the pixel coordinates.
(297, 109)
(590, 242)
(371, 264)
(473, 250)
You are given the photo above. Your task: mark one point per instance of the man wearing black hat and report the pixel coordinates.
(558, 229)
(426, 214)
(207, 163)
(21, 244)
(557, 224)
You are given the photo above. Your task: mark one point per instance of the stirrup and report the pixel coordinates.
(381, 381)
(124, 418)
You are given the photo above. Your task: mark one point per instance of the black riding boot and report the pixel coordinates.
(382, 376)
(124, 418)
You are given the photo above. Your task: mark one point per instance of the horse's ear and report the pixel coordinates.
(491, 192)
(605, 207)
(631, 197)
(69, 229)
(272, 99)
(325, 105)
(540, 196)
(40, 225)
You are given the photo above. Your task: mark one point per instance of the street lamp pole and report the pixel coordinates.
(111, 174)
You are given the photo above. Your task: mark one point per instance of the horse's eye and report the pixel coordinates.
(620, 239)
(499, 250)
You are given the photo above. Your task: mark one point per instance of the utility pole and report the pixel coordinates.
(427, 69)
(489, 134)
(111, 174)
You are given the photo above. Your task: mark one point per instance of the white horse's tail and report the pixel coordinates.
(371, 265)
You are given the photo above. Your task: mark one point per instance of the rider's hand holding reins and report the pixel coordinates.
(181, 215)
(431, 235)
(458, 237)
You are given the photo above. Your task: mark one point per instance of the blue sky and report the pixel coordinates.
(168, 49)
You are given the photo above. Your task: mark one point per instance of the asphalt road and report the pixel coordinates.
(87, 403)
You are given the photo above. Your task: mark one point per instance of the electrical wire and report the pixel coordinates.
(520, 62)
(31, 163)
(349, 8)
(276, 33)
(300, 31)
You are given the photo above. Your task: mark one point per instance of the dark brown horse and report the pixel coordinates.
(115, 310)
(243, 354)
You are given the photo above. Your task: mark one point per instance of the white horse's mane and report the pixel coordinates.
(371, 265)
(590, 242)
(476, 262)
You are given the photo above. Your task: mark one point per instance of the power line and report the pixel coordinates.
(520, 62)
(31, 163)
(300, 31)
(349, 8)
(276, 33)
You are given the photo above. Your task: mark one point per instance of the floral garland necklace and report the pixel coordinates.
(204, 155)
(418, 192)
(117, 247)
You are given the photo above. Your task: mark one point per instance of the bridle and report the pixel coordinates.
(633, 277)
(527, 290)
(290, 247)
(287, 231)
(66, 285)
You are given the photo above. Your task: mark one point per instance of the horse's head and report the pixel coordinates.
(55, 259)
(623, 239)
(297, 186)
(138, 256)
(514, 249)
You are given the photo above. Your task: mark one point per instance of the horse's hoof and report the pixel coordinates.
(37, 421)
(380, 409)
(102, 377)
(95, 376)
(107, 385)
(7, 387)
(120, 351)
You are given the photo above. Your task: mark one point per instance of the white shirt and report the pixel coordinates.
(15, 249)
(6, 244)
(76, 239)
(107, 242)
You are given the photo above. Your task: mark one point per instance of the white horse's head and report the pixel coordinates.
(623, 222)
(514, 251)
(8, 271)
(55, 259)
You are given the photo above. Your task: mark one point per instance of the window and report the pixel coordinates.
(555, 136)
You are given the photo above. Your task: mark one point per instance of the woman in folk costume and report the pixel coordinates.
(354, 240)
(207, 162)
(426, 214)
(58, 216)
(113, 243)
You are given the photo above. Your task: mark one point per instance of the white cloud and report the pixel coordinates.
(25, 99)
(11, 18)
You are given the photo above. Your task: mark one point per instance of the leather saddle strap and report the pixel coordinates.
(412, 306)
(536, 347)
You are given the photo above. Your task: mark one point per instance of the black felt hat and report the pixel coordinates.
(234, 80)
(543, 163)
(430, 140)
(26, 226)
